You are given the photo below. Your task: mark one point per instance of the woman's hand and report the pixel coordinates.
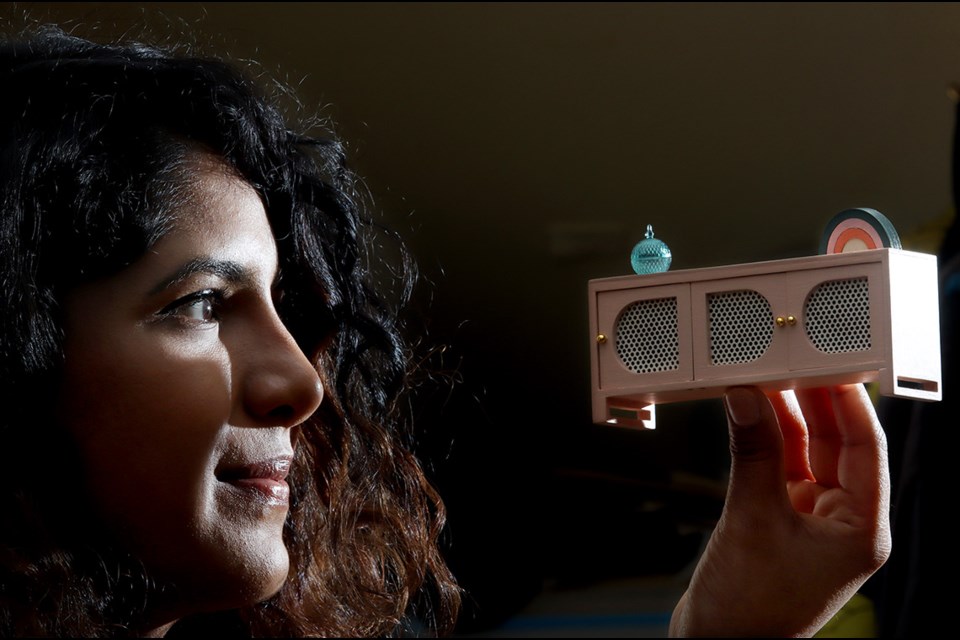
(805, 521)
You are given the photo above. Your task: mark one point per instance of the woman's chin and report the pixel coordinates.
(258, 578)
(256, 581)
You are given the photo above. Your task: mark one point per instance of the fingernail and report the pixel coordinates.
(742, 406)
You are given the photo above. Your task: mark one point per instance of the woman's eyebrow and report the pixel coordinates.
(231, 272)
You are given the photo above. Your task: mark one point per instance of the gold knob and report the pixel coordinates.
(791, 320)
(780, 321)
(601, 338)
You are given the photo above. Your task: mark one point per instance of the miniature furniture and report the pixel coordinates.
(862, 316)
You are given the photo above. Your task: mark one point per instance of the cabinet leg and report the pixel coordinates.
(631, 414)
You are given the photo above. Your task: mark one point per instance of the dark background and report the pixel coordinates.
(521, 149)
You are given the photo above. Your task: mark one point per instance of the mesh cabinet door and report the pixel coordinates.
(645, 336)
(734, 328)
(739, 326)
(840, 312)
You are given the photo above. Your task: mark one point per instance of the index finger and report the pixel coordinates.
(796, 440)
(862, 459)
(825, 441)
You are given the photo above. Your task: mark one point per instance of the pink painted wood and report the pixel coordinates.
(865, 316)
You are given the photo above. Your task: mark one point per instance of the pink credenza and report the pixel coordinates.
(840, 318)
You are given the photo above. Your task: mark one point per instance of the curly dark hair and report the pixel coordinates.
(95, 143)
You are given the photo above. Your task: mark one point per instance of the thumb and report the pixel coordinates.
(757, 475)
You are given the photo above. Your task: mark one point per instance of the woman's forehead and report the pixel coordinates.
(223, 221)
(224, 214)
(208, 179)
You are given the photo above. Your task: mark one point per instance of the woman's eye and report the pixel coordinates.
(199, 307)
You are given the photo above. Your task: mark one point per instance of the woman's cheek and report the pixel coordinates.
(148, 418)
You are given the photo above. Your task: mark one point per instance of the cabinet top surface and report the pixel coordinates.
(754, 268)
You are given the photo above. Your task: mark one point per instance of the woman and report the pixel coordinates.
(136, 192)
(203, 387)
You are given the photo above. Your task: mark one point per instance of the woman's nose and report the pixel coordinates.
(281, 387)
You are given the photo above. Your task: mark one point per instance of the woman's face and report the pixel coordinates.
(183, 391)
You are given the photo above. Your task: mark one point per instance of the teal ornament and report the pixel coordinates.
(650, 255)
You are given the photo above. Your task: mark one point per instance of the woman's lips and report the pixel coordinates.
(265, 479)
(275, 491)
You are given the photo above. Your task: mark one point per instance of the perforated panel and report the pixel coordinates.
(646, 336)
(837, 316)
(741, 326)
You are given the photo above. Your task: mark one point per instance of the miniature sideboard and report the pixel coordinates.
(863, 316)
